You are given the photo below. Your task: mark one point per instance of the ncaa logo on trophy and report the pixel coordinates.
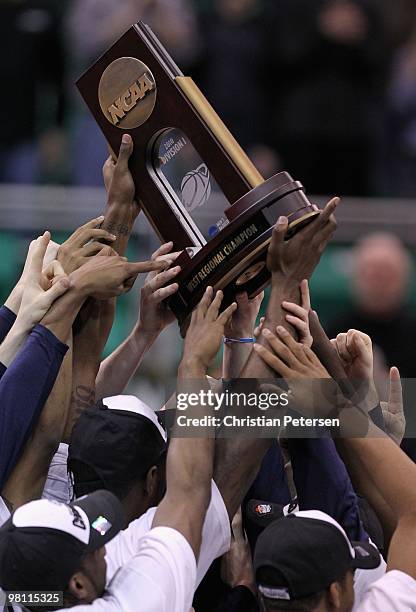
(196, 187)
(127, 93)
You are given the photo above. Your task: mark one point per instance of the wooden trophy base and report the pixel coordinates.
(235, 259)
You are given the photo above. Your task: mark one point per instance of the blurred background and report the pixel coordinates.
(325, 89)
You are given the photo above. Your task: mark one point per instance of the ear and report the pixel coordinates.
(335, 595)
(151, 481)
(78, 586)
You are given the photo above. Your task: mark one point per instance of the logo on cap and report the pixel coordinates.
(101, 525)
(263, 509)
(77, 521)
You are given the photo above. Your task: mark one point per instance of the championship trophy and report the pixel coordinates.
(195, 184)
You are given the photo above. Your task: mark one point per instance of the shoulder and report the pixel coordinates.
(163, 572)
(394, 591)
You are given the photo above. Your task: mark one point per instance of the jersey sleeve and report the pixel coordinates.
(216, 535)
(160, 577)
(24, 389)
(395, 592)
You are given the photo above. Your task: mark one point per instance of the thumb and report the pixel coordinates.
(38, 253)
(126, 149)
(60, 286)
(395, 392)
(277, 240)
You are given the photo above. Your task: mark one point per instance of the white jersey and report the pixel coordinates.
(155, 570)
(216, 536)
(394, 592)
(159, 578)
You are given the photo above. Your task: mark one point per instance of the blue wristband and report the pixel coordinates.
(238, 340)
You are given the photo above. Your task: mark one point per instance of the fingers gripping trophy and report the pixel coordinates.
(195, 184)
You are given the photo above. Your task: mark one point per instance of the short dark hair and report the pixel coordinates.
(305, 604)
(265, 575)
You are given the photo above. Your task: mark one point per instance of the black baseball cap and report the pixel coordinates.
(263, 513)
(119, 438)
(43, 543)
(304, 553)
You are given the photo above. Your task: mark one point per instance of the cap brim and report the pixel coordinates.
(367, 556)
(105, 515)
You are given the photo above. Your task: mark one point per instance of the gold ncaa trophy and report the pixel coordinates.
(196, 185)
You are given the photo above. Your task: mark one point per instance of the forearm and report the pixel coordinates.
(282, 290)
(237, 462)
(28, 477)
(61, 315)
(364, 487)
(82, 396)
(117, 369)
(235, 357)
(119, 220)
(13, 342)
(91, 331)
(189, 468)
(190, 460)
(392, 473)
(26, 384)
(15, 298)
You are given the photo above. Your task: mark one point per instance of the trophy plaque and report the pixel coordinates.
(195, 184)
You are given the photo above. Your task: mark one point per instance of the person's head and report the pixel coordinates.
(120, 446)
(49, 546)
(236, 10)
(304, 562)
(381, 273)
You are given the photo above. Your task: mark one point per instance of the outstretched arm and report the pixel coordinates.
(29, 380)
(118, 368)
(290, 262)
(95, 321)
(190, 461)
(241, 326)
(27, 480)
(39, 287)
(374, 455)
(237, 460)
(121, 210)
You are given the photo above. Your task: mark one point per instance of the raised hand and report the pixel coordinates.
(206, 330)
(243, 321)
(393, 414)
(87, 240)
(288, 358)
(105, 277)
(356, 353)
(118, 180)
(311, 386)
(41, 288)
(296, 259)
(299, 315)
(155, 314)
(122, 209)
